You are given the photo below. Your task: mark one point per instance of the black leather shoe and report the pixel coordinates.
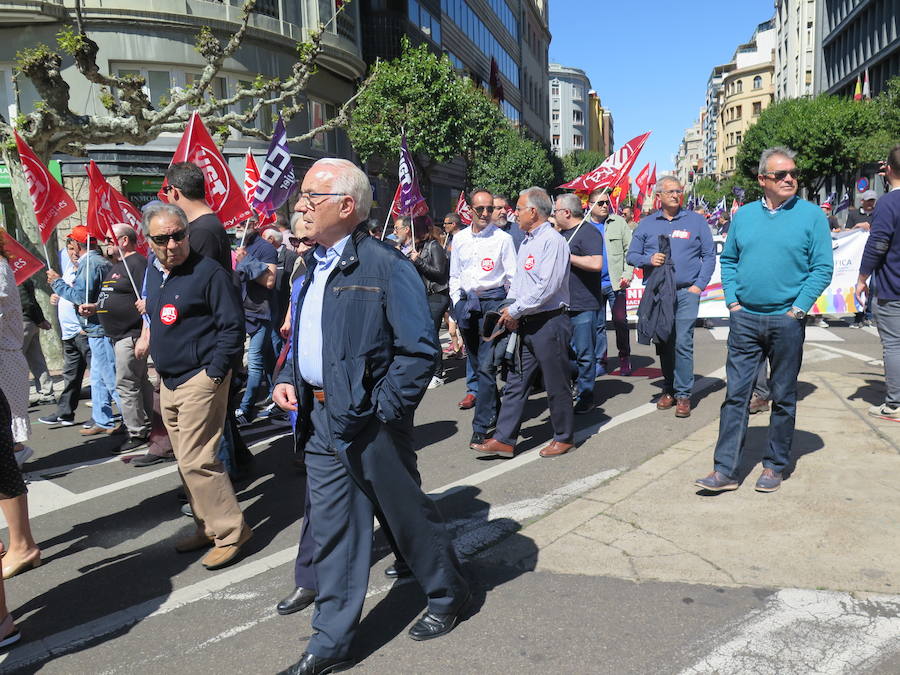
(431, 625)
(399, 570)
(477, 439)
(301, 598)
(310, 664)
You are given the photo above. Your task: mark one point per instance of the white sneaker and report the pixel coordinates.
(820, 323)
(885, 411)
(23, 455)
(435, 382)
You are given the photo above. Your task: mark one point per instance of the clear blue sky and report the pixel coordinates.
(649, 60)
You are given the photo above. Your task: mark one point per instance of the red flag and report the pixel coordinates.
(642, 181)
(610, 172)
(618, 193)
(50, 201)
(735, 206)
(251, 178)
(23, 264)
(395, 203)
(107, 207)
(463, 210)
(222, 192)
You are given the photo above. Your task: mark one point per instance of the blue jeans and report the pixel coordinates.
(676, 357)
(260, 363)
(616, 301)
(752, 339)
(484, 358)
(471, 378)
(584, 335)
(103, 381)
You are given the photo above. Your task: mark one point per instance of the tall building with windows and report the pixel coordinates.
(600, 133)
(853, 36)
(710, 128)
(570, 109)
(514, 34)
(689, 160)
(795, 48)
(156, 40)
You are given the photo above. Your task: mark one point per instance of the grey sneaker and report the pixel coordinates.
(885, 411)
(768, 481)
(716, 482)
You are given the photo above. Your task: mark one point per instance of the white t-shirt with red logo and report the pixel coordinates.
(482, 261)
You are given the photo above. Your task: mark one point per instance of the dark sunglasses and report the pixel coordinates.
(779, 176)
(481, 209)
(602, 202)
(163, 239)
(294, 241)
(167, 189)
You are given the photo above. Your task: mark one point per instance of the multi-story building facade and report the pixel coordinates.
(710, 130)
(747, 90)
(689, 159)
(853, 36)
(601, 133)
(514, 34)
(157, 41)
(795, 48)
(569, 109)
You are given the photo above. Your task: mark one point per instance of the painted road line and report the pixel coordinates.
(871, 330)
(853, 355)
(813, 334)
(805, 631)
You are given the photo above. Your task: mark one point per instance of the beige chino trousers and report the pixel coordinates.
(194, 415)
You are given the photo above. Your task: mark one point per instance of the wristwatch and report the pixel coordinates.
(799, 314)
(217, 380)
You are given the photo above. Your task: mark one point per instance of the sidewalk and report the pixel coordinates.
(833, 524)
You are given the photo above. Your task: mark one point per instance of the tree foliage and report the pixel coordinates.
(579, 162)
(516, 163)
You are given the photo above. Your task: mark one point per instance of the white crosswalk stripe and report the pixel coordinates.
(813, 334)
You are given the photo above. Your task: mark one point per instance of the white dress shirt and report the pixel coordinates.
(482, 261)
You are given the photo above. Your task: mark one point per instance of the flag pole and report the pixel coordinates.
(87, 276)
(137, 293)
(386, 221)
(47, 256)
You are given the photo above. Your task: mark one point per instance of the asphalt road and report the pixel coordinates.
(113, 596)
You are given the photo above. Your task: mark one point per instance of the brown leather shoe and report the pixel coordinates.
(467, 403)
(758, 404)
(665, 402)
(94, 430)
(494, 447)
(194, 542)
(682, 407)
(221, 556)
(556, 448)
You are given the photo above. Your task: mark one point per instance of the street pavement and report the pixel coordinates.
(605, 560)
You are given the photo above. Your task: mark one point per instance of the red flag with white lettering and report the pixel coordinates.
(463, 210)
(251, 178)
(23, 264)
(611, 170)
(50, 201)
(395, 203)
(223, 194)
(107, 207)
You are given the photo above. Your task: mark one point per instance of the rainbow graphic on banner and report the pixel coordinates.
(840, 300)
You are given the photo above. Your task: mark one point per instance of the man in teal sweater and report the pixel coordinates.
(777, 260)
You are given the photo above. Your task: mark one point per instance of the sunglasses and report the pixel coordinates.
(163, 239)
(481, 209)
(294, 241)
(602, 202)
(167, 189)
(779, 176)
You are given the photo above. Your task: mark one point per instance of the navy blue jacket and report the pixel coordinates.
(379, 344)
(693, 248)
(882, 252)
(196, 320)
(656, 313)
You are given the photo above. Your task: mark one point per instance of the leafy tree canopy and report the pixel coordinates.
(516, 163)
(579, 162)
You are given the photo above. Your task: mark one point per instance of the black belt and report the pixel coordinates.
(542, 316)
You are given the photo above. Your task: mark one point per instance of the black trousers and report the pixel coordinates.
(346, 488)
(545, 346)
(438, 303)
(76, 358)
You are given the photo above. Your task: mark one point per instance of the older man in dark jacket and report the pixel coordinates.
(363, 352)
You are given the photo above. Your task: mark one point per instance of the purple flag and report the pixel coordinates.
(276, 180)
(411, 202)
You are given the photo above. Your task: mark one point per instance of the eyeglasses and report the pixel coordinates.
(779, 176)
(481, 209)
(602, 202)
(294, 241)
(163, 239)
(307, 198)
(522, 208)
(449, 222)
(671, 192)
(167, 189)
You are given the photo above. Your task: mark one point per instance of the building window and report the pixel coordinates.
(576, 93)
(554, 88)
(510, 111)
(577, 141)
(757, 108)
(425, 21)
(737, 138)
(555, 140)
(577, 117)
(739, 86)
(757, 82)
(319, 113)
(468, 21)
(554, 116)
(738, 112)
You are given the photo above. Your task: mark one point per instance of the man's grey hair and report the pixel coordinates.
(571, 202)
(769, 153)
(538, 198)
(160, 210)
(274, 234)
(348, 180)
(295, 218)
(124, 230)
(666, 179)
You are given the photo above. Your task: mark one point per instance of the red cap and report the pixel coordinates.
(79, 233)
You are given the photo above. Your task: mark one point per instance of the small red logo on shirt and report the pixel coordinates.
(681, 234)
(529, 263)
(487, 264)
(168, 314)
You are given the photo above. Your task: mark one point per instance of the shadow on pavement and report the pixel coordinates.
(872, 392)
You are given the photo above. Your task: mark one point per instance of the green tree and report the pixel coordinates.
(516, 163)
(832, 137)
(579, 162)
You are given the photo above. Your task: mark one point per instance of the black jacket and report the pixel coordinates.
(656, 313)
(378, 341)
(434, 266)
(30, 308)
(196, 320)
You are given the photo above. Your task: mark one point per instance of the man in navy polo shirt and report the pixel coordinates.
(694, 258)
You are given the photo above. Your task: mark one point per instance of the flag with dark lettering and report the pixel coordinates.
(411, 202)
(277, 179)
(223, 194)
(22, 263)
(51, 203)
